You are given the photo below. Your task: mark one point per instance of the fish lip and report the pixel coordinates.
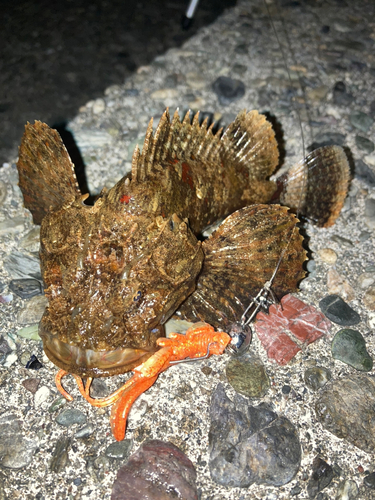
(88, 362)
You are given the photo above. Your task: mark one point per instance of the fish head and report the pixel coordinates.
(112, 279)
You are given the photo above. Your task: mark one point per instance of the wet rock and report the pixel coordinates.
(328, 255)
(70, 417)
(120, 450)
(287, 323)
(321, 477)
(228, 89)
(361, 121)
(16, 451)
(247, 375)
(340, 95)
(347, 490)
(157, 470)
(250, 444)
(85, 431)
(60, 458)
(369, 298)
(350, 347)
(346, 408)
(34, 363)
(365, 172)
(26, 288)
(338, 285)
(33, 310)
(29, 332)
(364, 144)
(339, 311)
(12, 226)
(369, 481)
(316, 377)
(31, 384)
(20, 265)
(370, 213)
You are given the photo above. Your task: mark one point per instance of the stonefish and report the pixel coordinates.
(114, 272)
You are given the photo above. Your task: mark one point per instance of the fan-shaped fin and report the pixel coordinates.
(317, 186)
(46, 172)
(240, 257)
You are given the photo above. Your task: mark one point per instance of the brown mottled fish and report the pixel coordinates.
(116, 271)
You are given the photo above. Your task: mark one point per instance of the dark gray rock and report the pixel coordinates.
(328, 139)
(339, 311)
(247, 375)
(250, 444)
(4, 349)
(369, 481)
(364, 172)
(120, 449)
(70, 417)
(158, 471)
(364, 144)
(321, 476)
(60, 458)
(20, 265)
(341, 96)
(346, 408)
(85, 431)
(16, 451)
(26, 288)
(361, 121)
(316, 377)
(228, 89)
(350, 347)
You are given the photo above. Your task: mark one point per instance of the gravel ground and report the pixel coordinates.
(327, 42)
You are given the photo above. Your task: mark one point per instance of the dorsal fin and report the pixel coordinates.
(46, 172)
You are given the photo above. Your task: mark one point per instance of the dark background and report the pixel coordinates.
(57, 55)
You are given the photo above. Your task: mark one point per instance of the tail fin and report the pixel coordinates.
(46, 172)
(317, 186)
(240, 257)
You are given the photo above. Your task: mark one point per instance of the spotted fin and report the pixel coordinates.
(240, 257)
(317, 186)
(46, 172)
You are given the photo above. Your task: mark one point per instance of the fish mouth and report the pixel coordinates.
(90, 363)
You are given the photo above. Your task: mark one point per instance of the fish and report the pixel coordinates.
(114, 272)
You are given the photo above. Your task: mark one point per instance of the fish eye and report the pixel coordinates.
(137, 296)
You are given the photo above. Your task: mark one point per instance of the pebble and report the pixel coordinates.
(10, 360)
(29, 332)
(346, 409)
(321, 476)
(98, 106)
(24, 358)
(16, 451)
(269, 442)
(196, 81)
(12, 226)
(41, 396)
(369, 481)
(33, 310)
(330, 139)
(70, 417)
(340, 95)
(60, 458)
(370, 213)
(328, 255)
(88, 139)
(364, 236)
(316, 377)
(369, 298)
(365, 172)
(120, 450)
(319, 93)
(31, 241)
(349, 347)
(342, 241)
(57, 404)
(3, 192)
(247, 375)
(26, 288)
(228, 89)
(6, 298)
(364, 144)
(165, 94)
(20, 265)
(347, 490)
(365, 280)
(157, 470)
(99, 388)
(85, 431)
(31, 384)
(338, 285)
(361, 121)
(34, 363)
(5, 349)
(339, 311)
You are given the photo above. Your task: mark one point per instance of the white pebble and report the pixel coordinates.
(328, 255)
(11, 359)
(98, 106)
(41, 395)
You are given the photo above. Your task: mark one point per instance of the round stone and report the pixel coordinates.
(247, 375)
(316, 377)
(349, 347)
(328, 255)
(339, 311)
(70, 417)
